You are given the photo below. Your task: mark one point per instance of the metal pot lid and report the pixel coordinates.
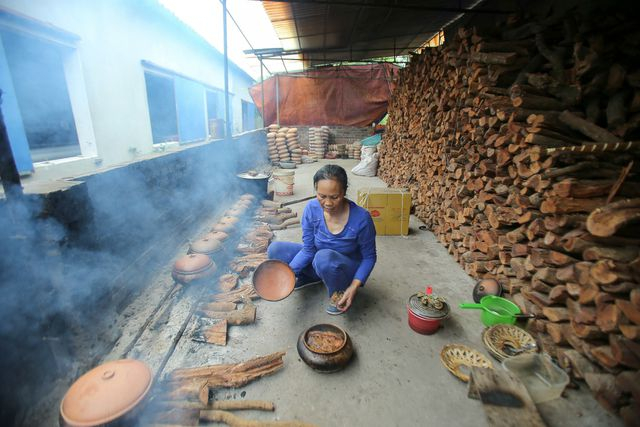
(421, 310)
(106, 393)
(206, 246)
(193, 263)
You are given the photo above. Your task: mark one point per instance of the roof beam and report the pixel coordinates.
(388, 4)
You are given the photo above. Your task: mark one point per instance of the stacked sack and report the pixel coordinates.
(354, 150)
(281, 145)
(271, 143)
(318, 141)
(294, 146)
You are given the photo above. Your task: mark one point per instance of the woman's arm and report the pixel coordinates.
(305, 256)
(367, 245)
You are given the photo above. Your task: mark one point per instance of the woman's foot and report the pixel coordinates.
(301, 283)
(332, 308)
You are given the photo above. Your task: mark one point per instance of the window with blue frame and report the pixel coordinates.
(162, 107)
(39, 91)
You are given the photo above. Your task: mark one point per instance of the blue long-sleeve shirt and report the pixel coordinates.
(357, 240)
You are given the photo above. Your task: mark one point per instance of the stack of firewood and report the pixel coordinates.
(515, 145)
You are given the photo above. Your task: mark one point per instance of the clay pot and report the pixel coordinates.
(223, 227)
(229, 220)
(325, 361)
(425, 320)
(239, 211)
(244, 204)
(205, 246)
(112, 393)
(192, 267)
(274, 280)
(249, 197)
(217, 235)
(486, 287)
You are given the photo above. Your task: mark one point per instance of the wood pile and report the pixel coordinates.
(519, 146)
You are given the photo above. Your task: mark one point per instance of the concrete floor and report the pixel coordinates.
(396, 377)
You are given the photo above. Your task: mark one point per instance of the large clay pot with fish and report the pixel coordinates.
(193, 267)
(112, 394)
(325, 348)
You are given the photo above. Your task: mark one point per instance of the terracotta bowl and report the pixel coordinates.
(274, 280)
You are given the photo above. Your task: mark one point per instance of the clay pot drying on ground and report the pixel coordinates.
(325, 348)
(110, 394)
(221, 236)
(193, 267)
(205, 246)
(249, 197)
(227, 228)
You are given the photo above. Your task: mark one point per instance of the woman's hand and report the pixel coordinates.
(348, 296)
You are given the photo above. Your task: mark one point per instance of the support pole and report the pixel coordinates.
(278, 99)
(262, 92)
(8, 170)
(227, 114)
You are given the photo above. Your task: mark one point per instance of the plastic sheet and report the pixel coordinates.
(341, 96)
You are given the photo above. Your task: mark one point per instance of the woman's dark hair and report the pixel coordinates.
(334, 172)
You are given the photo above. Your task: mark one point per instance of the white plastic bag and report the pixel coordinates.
(368, 166)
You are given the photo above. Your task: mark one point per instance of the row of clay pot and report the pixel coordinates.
(198, 263)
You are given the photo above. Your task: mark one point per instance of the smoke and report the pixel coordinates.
(68, 261)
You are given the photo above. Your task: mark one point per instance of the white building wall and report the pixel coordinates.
(115, 36)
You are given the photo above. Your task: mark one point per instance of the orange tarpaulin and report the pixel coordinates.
(353, 95)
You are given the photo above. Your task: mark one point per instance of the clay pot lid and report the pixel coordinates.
(427, 312)
(229, 220)
(236, 211)
(205, 246)
(274, 280)
(192, 263)
(223, 227)
(486, 287)
(217, 235)
(106, 393)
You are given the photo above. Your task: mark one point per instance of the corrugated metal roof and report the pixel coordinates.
(322, 31)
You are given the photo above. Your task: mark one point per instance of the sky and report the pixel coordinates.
(205, 17)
